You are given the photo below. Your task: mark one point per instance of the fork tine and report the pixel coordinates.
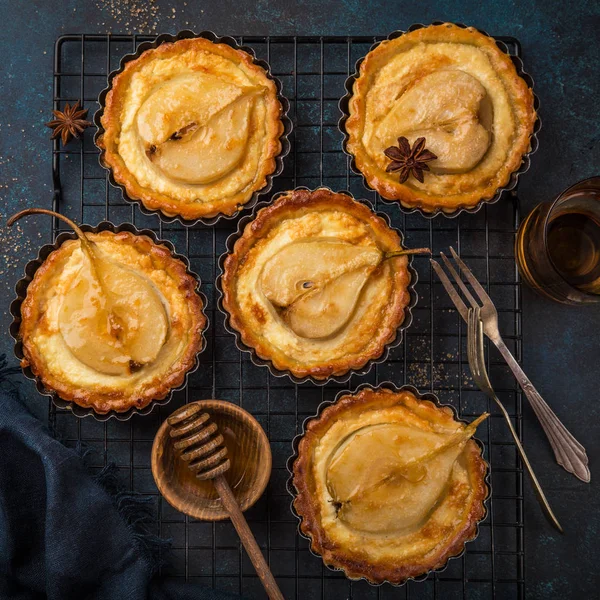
(454, 296)
(459, 281)
(483, 376)
(483, 296)
(472, 344)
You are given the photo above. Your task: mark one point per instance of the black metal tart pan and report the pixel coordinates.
(514, 178)
(421, 396)
(284, 139)
(257, 360)
(21, 291)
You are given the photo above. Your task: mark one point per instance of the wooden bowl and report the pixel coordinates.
(248, 449)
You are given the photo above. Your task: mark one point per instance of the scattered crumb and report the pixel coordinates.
(138, 15)
(419, 375)
(15, 244)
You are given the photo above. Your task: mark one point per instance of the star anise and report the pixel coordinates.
(69, 123)
(409, 161)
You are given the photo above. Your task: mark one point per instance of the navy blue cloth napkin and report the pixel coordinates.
(63, 535)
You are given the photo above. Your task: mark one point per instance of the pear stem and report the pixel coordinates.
(43, 211)
(406, 251)
(86, 245)
(460, 436)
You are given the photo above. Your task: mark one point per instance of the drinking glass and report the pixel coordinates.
(558, 245)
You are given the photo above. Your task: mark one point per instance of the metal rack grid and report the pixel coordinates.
(432, 356)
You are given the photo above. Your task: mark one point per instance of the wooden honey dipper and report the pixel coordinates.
(198, 442)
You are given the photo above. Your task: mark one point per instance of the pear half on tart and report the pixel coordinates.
(389, 486)
(192, 128)
(111, 320)
(317, 284)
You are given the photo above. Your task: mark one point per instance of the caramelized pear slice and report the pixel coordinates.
(301, 267)
(129, 334)
(206, 153)
(316, 284)
(323, 311)
(111, 318)
(188, 98)
(451, 110)
(82, 318)
(389, 477)
(138, 304)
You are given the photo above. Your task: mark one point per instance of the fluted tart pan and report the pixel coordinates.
(514, 176)
(249, 223)
(310, 526)
(21, 288)
(284, 137)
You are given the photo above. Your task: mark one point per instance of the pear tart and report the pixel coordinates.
(388, 486)
(192, 128)
(457, 90)
(114, 325)
(308, 286)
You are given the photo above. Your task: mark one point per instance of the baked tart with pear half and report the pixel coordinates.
(192, 128)
(317, 284)
(439, 118)
(389, 486)
(111, 321)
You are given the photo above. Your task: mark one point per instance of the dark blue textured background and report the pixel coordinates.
(561, 49)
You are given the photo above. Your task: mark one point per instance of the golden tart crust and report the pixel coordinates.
(192, 128)
(385, 550)
(50, 357)
(456, 88)
(316, 236)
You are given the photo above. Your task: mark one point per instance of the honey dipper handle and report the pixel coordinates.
(247, 537)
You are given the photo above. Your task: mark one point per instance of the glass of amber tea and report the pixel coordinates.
(558, 245)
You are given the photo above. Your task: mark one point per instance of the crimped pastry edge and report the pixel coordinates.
(147, 201)
(178, 380)
(297, 467)
(261, 356)
(408, 202)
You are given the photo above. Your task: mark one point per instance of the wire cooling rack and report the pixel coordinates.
(432, 356)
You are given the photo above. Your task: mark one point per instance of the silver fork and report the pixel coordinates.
(569, 453)
(475, 352)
